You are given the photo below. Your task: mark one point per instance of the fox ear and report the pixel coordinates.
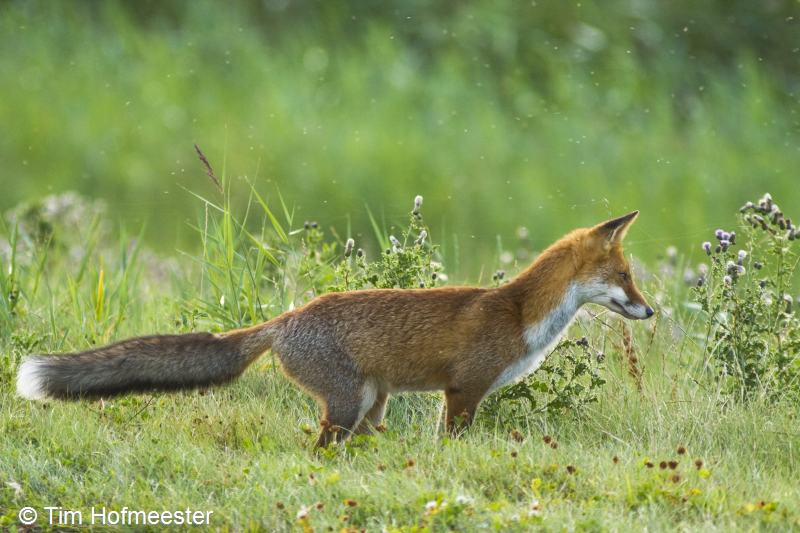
(614, 230)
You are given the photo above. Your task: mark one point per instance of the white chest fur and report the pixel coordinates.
(541, 337)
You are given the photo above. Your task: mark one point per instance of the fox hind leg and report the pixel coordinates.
(374, 416)
(343, 412)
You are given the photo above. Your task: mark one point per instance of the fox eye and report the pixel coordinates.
(623, 276)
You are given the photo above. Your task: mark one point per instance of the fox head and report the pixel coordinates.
(605, 273)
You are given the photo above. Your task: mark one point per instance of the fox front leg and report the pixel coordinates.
(459, 410)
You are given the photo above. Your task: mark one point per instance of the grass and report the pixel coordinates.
(243, 451)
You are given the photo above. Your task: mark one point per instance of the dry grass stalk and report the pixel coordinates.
(209, 170)
(634, 370)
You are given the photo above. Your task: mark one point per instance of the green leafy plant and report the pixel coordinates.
(406, 262)
(753, 331)
(568, 379)
(248, 276)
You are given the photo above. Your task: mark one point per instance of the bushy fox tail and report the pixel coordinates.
(159, 362)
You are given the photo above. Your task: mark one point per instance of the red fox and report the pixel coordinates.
(351, 350)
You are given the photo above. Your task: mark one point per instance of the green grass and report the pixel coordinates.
(244, 451)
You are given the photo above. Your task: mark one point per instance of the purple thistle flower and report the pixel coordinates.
(707, 247)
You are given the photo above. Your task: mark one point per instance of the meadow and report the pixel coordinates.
(323, 123)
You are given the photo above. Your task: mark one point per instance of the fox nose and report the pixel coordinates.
(649, 311)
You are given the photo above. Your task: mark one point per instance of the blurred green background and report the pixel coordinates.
(544, 114)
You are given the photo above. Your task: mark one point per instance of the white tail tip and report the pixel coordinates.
(30, 382)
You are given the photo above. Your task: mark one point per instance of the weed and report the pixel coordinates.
(753, 330)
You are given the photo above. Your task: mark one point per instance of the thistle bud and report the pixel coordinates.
(732, 237)
(758, 265)
(741, 256)
(787, 299)
(422, 236)
(360, 253)
(417, 204)
(395, 243)
(727, 280)
(348, 247)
